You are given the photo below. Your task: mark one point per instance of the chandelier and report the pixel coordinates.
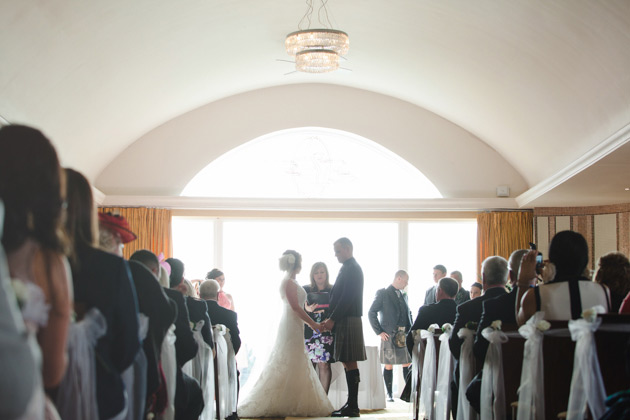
(317, 50)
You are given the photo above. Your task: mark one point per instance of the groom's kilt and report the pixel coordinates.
(349, 344)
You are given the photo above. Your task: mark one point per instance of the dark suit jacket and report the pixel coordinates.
(346, 296)
(436, 313)
(220, 315)
(185, 345)
(503, 308)
(470, 312)
(102, 280)
(429, 296)
(198, 311)
(161, 312)
(391, 309)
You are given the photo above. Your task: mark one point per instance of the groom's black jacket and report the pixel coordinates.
(346, 296)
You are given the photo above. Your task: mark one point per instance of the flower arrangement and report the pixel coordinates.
(447, 328)
(543, 325)
(287, 262)
(590, 314)
(496, 324)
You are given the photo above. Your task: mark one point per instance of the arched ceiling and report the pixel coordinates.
(541, 86)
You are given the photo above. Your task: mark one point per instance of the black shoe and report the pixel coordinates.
(346, 411)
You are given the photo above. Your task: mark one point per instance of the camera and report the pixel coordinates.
(539, 259)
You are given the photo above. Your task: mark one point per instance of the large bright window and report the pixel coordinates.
(247, 251)
(452, 244)
(311, 162)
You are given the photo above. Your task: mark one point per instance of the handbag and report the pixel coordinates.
(400, 337)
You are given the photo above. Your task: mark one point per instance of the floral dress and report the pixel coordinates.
(319, 346)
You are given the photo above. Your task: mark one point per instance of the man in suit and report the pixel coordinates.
(462, 294)
(209, 291)
(441, 312)
(494, 273)
(346, 309)
(161, 311)
(439, 271)
(390, 305)
(502, 307)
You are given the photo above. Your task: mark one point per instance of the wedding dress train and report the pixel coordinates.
(288, 385)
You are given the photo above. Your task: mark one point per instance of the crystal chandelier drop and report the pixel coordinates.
(317, 50)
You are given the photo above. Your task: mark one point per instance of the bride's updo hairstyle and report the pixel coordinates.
(290, 261)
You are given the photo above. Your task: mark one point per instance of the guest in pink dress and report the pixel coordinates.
(225, 299)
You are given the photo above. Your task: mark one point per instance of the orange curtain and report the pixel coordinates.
(501, 233)
(151, 226)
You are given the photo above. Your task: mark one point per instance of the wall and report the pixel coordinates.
(606, 228)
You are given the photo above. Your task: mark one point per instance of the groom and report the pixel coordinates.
(346, 308)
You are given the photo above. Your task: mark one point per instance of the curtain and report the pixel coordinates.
(500, 233)
(151, 226)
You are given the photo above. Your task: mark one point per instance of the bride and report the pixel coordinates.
(288, 385)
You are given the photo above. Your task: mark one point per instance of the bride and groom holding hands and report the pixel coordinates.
(288, 385)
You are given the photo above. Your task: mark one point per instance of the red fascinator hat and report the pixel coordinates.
(118, 224)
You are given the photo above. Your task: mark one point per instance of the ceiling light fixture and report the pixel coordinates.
(317, 50)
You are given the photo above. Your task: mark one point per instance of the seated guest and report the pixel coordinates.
(102, 281)
(161, 311)
(494, 273)
(441, 312)
(501, 308)
(569, 292)
(475, 290)
(462, 294)
(197, 308)
(36, 247)
(188, 396)
(114, 233)
(17, 353)
(209, 291)
(614, 272)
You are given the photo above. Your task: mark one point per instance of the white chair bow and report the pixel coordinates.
(417, 358)
(232, 375)
(587, 385)
(445, 371)
(429, 368)
(492, 386)
(76, 398)
(531, 393)
(222, 373)
(466, 373)
(169, 367)
(201, 367)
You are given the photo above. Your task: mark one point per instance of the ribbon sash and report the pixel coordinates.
(428, 382)
(531, 393)
(587, 385)
(417, 355)
(492, 383)
(445, 370)
(466, 373)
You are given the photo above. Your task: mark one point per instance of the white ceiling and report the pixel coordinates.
(539, 90)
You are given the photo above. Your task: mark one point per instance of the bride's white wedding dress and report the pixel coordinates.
(288, 385)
